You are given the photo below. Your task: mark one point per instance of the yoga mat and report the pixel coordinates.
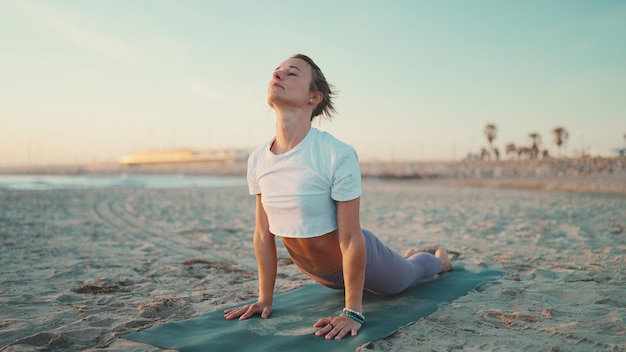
(290, 327)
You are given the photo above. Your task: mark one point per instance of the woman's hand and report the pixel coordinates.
(245, 312)
(336, 327)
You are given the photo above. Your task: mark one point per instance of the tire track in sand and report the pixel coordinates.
(117, 212)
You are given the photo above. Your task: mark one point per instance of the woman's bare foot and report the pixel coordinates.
(409, 252)
(443, 255)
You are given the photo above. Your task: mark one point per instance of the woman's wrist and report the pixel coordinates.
(353, 314)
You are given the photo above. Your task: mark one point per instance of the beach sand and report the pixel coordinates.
(82, 267)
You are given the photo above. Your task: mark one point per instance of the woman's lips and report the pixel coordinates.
(274, 84)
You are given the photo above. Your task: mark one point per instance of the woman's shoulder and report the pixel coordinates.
(259, 150)
(326, 139)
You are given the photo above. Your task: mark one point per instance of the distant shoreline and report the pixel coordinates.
(462, 169)
(606, 175)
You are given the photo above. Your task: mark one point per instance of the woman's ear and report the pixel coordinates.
(316, 98)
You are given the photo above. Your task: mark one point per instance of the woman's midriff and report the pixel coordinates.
(316, 255)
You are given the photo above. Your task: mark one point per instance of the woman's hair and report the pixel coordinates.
(319, 84)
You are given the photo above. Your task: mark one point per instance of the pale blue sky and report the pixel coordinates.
(84, 81)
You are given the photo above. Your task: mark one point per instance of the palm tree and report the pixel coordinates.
(560, 136)
(490, 132)
(510, 149)
(536, 141)
(524, 152)
(484, 154)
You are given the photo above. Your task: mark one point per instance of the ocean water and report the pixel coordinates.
(46, 182)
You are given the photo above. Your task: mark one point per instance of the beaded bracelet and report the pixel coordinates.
(359, 314)
(353, 314)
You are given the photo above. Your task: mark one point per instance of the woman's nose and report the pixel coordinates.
(277, 74)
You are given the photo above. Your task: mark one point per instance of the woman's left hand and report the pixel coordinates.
(336, 327)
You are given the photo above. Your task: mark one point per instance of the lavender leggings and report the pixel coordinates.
(386, 272)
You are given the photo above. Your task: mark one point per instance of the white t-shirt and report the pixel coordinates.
(300, 187)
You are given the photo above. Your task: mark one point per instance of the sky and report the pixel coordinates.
(90, 81)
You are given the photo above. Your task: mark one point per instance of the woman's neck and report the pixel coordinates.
(291, 129)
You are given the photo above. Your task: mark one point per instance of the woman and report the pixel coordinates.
(308, 187)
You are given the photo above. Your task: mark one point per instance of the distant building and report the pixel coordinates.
(178, 156)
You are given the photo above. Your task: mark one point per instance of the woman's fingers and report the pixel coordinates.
(252, 310)
(266, 312)
(325, 325)
(245, 312)
(336, 327)
(322, 322)
(230, 310)
(233, 313)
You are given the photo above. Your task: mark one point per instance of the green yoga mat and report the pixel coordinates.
(290, 327)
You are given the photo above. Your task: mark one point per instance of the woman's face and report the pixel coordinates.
(290, 84)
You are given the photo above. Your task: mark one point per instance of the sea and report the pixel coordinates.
(49, 182)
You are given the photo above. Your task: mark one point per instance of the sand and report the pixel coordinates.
(82, 267)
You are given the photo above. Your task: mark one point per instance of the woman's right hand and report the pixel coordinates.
(245, 312)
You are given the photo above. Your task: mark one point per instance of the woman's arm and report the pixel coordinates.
(267, 262)
(353, 251)
(353, 254)
(266, 257)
